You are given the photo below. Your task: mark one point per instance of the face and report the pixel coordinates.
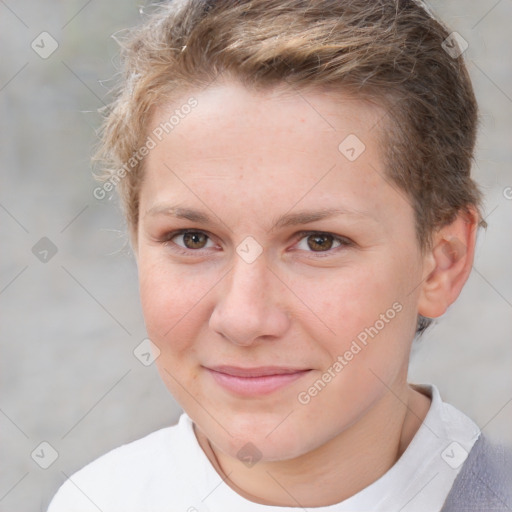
(279, 269)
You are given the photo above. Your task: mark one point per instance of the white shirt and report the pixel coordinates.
(168, 471)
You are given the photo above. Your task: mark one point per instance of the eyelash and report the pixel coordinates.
(344, 242)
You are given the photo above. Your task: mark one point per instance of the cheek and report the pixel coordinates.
(370, 304)
(171, 299)
(350, 298)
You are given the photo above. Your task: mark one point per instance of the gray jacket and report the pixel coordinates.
(484, 483)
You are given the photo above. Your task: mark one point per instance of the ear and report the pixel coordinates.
(448, 264)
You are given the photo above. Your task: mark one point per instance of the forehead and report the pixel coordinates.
(228, 111)
(268, 151)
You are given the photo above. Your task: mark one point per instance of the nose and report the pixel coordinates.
(250, 304)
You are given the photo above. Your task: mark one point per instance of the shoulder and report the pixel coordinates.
(120, 479)
(484, 481)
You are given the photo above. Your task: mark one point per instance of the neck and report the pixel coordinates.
(337, 470)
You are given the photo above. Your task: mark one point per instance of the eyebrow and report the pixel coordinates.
(286, 220)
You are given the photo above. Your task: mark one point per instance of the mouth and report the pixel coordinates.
(255, 381)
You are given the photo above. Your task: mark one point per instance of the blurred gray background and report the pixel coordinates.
(68, 288)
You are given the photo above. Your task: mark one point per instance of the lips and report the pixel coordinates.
(255, 381)
(261, 371)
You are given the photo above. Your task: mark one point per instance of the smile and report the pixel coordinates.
(254, 381)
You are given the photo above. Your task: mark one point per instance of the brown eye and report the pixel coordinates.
(320, 242)
(194, 240)
(191, 240)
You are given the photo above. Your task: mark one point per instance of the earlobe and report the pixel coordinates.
(448, 264)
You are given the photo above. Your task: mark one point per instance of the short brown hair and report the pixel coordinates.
(390, 52)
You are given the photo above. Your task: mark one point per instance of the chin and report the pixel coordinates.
(263, 439)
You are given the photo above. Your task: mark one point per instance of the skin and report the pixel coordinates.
(245, 159)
